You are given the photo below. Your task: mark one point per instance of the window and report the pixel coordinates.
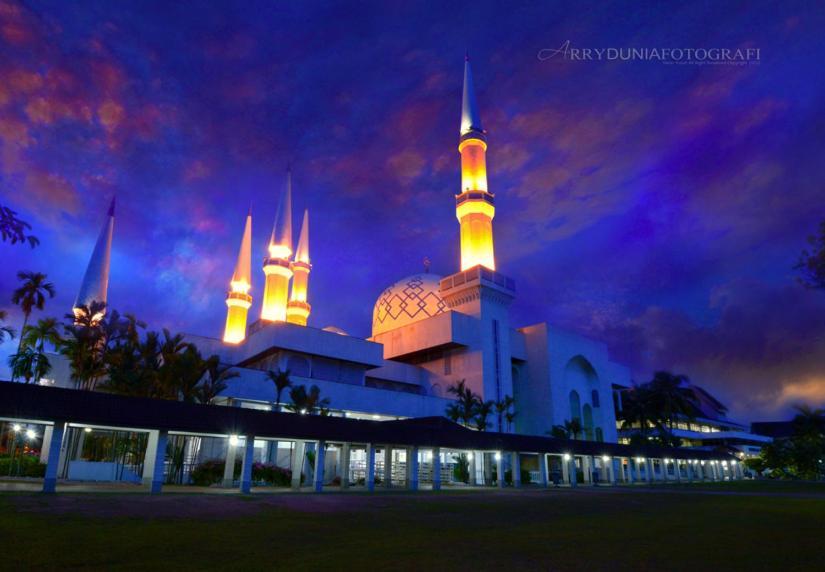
(298, 366)
(575, 406)
(594, 398)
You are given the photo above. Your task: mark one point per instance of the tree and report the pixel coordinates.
(5, 331)
(811, 264)
(638, 409)
(483, 410)
(23, 364)
(670, 398)
(464, 409)
(308, 402)
(504, 412)
(573, 428)
(559, 432)
(14, 230)
(215, 381)
(85, 343)
(30, 295)
(46, 331)
(281, 381)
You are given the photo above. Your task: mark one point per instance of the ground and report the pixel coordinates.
(742, 525)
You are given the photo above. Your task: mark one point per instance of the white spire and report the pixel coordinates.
(302, 251)
(243, 267)
(95, 283)
(470, 119)
(280, 242)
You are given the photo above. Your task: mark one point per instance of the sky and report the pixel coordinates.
(659, 208)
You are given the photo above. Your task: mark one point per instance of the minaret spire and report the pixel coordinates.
(474, 204)
(470, 118)
(95, 284)
(238, 299)
(277, 263)
(298, 309)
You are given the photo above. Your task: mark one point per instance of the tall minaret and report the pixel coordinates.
(95, 285)
(238, 299)
(276, 264)
(298, 309)
(474, 205)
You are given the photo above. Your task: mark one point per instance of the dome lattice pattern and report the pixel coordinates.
(408, 300)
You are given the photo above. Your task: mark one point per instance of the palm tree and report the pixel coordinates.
(671, 398)
(308, 402)
(46, 331)
(809, 422)
(84, 344)
(574, 428)
(215, 382)
(639, 409)
(466, 402)
(281, 381)
(30, 295)
(503, 411)
(483, 411)
(23, 364)
(5, 331)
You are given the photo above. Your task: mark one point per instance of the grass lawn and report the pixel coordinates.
(763, 526)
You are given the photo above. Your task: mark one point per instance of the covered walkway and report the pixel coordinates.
(340, 452)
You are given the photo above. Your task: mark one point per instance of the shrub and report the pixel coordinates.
(22, 465)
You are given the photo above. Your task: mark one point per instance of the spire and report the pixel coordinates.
(95, 283)
(280, 242)
(242, 277)
(470, 119)
(302, 251)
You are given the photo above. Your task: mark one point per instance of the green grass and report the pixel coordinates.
(663, 529)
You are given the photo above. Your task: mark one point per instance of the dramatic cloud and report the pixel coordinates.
(659, 208)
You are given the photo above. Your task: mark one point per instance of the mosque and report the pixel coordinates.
(429, 333)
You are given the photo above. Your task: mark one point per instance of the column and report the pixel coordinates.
(229, 465)
(246, 464)
(44, 448)
(515, 468)
(649, 470)
(387, 467)
(298, 454)
(631, 467)
(53, 460)
(587, 469)
(614, 468)
(369, 479)
(345, 456)
(543, 470)
(149, 458)
(436, 469)
(565, 470)
(412, 468)
(572, 476)
(318, 476)
(500, 469)
(677, 470)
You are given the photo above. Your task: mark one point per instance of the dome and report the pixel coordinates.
(410, 299)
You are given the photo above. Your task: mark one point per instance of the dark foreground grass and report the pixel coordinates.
(643, 529)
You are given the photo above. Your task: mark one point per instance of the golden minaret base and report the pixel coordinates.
(297, 311)
(238, 299)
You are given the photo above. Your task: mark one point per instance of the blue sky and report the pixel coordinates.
(658, 208)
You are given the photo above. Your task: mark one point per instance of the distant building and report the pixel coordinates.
(710, 427)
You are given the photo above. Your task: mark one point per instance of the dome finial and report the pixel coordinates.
(427, 264)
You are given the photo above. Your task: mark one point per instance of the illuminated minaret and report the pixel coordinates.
(238, 299)
(297, 310)
(276, 264)
(95, 285)
(474, 205)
